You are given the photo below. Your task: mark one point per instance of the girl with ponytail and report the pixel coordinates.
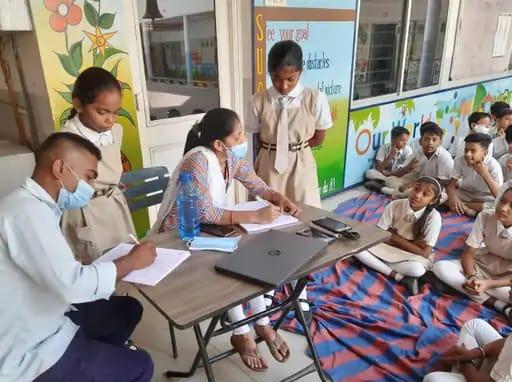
(414, 224)
(214, 155)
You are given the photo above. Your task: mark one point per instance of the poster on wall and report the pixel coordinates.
(327, 65)
(370, 127)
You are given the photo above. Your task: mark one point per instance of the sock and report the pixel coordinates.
(304, 306)
(398, 276)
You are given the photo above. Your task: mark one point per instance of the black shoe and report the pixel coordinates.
(374, 185)
(411, 283)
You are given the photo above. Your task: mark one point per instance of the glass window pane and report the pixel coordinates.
(180, 56)
(378, 47)
(425, 43)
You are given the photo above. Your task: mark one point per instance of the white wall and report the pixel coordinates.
(173, 8)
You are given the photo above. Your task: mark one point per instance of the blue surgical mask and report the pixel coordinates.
(222, 244)
(79, 198)
(239, 151)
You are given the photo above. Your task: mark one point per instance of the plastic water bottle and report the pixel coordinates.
(188, 212)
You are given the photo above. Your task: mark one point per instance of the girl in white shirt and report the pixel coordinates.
(484, 272)
(106, 221)
(415, 225)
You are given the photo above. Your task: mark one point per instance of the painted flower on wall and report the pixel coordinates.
(64, 12)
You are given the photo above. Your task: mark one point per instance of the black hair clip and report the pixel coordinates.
(350, 235)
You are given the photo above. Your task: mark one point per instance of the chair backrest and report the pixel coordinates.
(145, 187)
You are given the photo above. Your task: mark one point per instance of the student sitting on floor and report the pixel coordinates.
(389, 162)
(503, 120)
(58, 318)
(481, 355)
(506, 160)
(415, 226)
(476, 178)
(495, 109)
(484, 272)
(430, 159)
(478, 123)
(214, 156)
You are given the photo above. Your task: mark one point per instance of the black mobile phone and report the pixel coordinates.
(218, 230)
(331, 224)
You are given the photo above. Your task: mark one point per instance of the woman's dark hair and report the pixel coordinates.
(284, 53)
(217, 124)
(90, 83)
(419, 226)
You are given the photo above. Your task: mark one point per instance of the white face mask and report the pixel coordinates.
(481, 129)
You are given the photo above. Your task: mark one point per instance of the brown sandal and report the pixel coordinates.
(275, 346)
(240, 345)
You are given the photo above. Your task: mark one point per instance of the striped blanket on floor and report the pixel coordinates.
(367, 328)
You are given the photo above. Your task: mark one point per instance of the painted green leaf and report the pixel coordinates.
(114, 68)
(480, 94)
(91, 14)
(127, 115)
(65, 95)
(107, 20)
(408, 104)
(65, 116)
(67, 64)
(361, 116)
(99, 59)
(125, 86)
(75, 51)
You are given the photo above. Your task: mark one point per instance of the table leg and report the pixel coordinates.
(173, 340)
(204, 353)
(301, 284)
(199, 354)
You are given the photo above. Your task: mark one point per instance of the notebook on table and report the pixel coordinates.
(271, 257)
(166, 261)
(282, 221)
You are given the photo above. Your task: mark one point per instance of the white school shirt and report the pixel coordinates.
(99, 139)
(39, 280)
(477, 236)
(469, 180)
(500, 147)
(400, 158)
(400, 216)
(439, 165)
(322, 112)
(502, 369)
(507, 175)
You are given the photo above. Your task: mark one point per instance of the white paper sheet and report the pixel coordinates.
(166, 261)
(282, 221)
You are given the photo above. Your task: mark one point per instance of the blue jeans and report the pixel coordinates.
(96, 353)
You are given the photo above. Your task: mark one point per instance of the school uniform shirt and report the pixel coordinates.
(398, 160)
(500, 145)
(39, 280)
(401, 217)
(502, 369)
(99, 139)
(494, 246)
(439, 165)
(507, 175)
(471, 183)
(322, 113)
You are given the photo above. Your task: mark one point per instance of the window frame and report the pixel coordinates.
(445, 83)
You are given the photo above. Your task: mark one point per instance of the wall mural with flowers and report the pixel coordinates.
(73, 35)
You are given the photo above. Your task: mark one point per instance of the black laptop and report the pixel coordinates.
(271, 257)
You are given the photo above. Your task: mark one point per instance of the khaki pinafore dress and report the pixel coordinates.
(106, 221)
(300, 181)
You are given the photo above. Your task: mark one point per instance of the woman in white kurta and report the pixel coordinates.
(214, 156)
(106, 221)
(484, 272)
(415, 226)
